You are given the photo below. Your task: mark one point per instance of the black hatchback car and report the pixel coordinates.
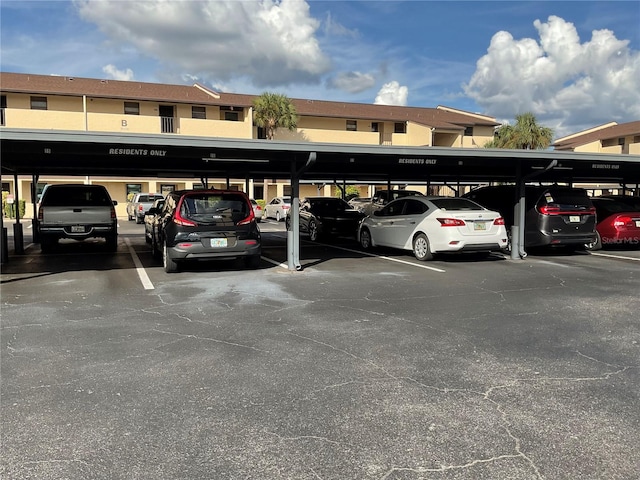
(327, 216)
(554, 215)
(207, 225)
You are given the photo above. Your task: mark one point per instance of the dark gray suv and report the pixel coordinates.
(207, 225)
(554, 215)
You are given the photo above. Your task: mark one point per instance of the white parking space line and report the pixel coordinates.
(384, 257)
(142, 273)
(615, 256)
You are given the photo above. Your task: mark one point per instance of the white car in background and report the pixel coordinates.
(430, 225)
(277, 208)
(257, 210)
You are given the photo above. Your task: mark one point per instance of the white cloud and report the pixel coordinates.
(559, 79)
(353, 82)
(115, 74)
(271, 42)
(392, 94)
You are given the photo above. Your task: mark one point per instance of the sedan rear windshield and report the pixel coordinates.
(213, 208)
(455, 203)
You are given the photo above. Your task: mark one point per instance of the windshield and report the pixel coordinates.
(455, 203)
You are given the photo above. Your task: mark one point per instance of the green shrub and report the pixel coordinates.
(9, 209)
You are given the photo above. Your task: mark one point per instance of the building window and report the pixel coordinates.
(3, 105)
(352, 126)
(375, 127)
(199, 112)
(399, 127)
(621, 141)
(468, 132)
(231, 116)
(167, 188)
(131, 108)
(38, 103)
(132, 189)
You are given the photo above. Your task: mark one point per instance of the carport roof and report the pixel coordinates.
(44, 152)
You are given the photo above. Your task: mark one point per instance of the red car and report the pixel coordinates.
(618, 223)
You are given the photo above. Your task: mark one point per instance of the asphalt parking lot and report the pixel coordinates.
(358, 367)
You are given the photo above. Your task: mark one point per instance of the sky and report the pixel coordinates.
(574, 64)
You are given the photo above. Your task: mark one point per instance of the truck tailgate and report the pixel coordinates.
(86, 215)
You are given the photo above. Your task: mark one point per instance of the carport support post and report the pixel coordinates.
(4, 246)
(517, 229)
(18, 239)
(34, 199)
(293, 234)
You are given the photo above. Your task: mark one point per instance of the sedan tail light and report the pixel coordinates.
(498, 221)
(623, 221)
(451, 222)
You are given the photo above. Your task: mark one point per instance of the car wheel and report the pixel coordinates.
(252, 262)
(313, 231)
(47, 243)
(112, 242)
(421, 248)
(596, 245)
(155, 248)
(278, 216)
(139, 220)
(129, 217)
(170, 266)
(365, 239)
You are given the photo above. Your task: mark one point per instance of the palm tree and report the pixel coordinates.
(526, 134)
(273, 111)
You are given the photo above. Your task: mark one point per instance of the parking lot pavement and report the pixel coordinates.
(358, 367)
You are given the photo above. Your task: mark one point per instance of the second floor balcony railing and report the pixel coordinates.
(167, 125)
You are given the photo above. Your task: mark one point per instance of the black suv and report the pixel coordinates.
(207, 225)
(554, 215)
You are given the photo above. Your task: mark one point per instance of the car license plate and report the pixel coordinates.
(77, 228)
(479, 226)
(218, 242)
(574, 218)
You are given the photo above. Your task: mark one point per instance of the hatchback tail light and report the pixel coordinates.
(498, 221)
(248, 219)
(451, 222)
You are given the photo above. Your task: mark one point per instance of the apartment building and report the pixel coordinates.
(99, 105)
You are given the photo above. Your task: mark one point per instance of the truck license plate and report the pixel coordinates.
(574, 218)
(218, 242)
(77, 228)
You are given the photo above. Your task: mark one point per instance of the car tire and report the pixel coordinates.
(252, 262)
(365, 239)
(170, 265)
(314, 234)
(139, 220)
(278, 216)
(129, 217)
(597, 245)
(155, 248)
(112, 242)
(421, 249)
(47, 243)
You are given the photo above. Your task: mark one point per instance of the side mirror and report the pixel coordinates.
(114, 203)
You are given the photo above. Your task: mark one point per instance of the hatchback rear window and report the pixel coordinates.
(565, 199)
(211, 208)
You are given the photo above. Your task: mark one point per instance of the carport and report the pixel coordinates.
(42, 152)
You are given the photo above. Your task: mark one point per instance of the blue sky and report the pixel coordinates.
(574, 64)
